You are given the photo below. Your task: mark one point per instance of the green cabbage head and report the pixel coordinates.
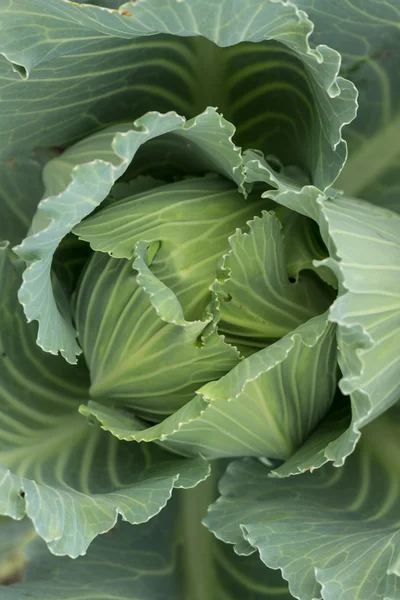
(200, 290)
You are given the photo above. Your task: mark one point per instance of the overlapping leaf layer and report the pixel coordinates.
(181, 286)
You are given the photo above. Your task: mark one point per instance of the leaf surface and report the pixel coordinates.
(68, 477)
(80, 179)
(191, 220)
(262, 407)
(284, 96)
(141, 352)
(367, 35)
(173, 557)
(259, 303)
(364, 257)
(21, 190)
(334, 534)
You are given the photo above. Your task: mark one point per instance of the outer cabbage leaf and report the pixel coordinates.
(21, 189)
(363, 241)
(68, 477)
(284, 96)
(81, 178)
(334, 533)
(368, 38)
(158, 561)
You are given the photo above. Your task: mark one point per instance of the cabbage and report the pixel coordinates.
(200, 300)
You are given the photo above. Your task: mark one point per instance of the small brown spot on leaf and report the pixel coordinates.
(14, 574)
(126, 13)
(11, 162)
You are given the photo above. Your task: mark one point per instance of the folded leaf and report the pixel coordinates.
(258, 302)
(265, 406)
(140, 350)
(185, 218)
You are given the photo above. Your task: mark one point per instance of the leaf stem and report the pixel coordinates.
(198, 559)
(209, 76)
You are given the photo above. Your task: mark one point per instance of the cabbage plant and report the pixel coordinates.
(200, 300)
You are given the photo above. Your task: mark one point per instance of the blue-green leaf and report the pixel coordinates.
(83, 67)
(173, 557)
(367, 35)
(21, 189)
(70, 478)
(334, 534)
(363, 242)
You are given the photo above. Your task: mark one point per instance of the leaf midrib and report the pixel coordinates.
(209, 75)
(200, 577)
